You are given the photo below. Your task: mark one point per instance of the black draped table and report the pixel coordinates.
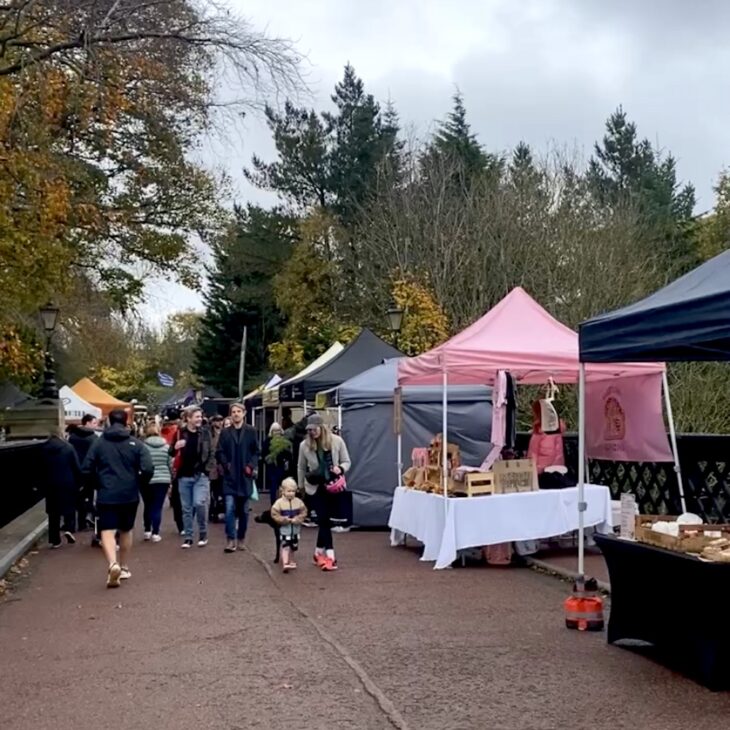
(674, 601)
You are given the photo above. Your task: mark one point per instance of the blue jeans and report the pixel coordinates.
(194, 498)
(236, 507)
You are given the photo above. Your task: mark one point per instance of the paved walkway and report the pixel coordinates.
(200, 639)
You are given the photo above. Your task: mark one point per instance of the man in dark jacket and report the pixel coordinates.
(194, 459)
(61, 480)
(118, 466)
(81, 438)
(238, 457)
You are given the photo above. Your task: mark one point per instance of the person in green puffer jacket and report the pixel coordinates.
(153, 495)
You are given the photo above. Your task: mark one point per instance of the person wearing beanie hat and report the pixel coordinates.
(238, 456)
(323, 458)
(315, 420)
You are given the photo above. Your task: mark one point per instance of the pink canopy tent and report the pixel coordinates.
(519, 336)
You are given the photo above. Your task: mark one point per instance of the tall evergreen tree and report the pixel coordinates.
(329, 160)
(301, 173)
(359, 143)
(455, 143)
(628, 169)
(240, 293)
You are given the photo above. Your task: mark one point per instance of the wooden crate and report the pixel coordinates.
(516, 475)
(691, 538)
(475, 483)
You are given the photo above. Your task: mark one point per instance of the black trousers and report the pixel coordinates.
(85, 507)
(54, 524)
(325, 505)
(176, 505)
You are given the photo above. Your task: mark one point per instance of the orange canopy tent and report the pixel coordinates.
(93, 394)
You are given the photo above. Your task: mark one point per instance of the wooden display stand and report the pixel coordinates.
(436, 453)
(691, 538)
(475, 483)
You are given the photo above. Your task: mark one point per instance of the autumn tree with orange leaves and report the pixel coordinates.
(102, 103)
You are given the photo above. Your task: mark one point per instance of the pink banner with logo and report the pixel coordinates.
(624, 420)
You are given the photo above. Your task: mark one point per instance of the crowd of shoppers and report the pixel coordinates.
(207, 469)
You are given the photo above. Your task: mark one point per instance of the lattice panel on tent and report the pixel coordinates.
(705, 463)
(653, 485)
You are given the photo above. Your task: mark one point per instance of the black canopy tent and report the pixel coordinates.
(363, 353)
(688, 319)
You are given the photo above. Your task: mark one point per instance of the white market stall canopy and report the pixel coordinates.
(75, 407)
(271, 395)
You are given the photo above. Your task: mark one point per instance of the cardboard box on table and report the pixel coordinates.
(515, 475)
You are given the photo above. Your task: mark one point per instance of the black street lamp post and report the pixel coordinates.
(49, 317)
(395, 321)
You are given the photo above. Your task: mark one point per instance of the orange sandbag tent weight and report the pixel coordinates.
(93, 394)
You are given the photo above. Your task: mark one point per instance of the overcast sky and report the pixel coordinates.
(543, 71)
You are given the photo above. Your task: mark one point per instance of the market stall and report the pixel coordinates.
(493, 520)
(93, 394)
(75, 407)
(274, 396)
(367, 405)
(519, 340)
(363, 352)
(660, 579)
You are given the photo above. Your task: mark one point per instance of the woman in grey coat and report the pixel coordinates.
(323, 457)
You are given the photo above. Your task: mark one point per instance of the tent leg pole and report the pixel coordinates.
(444, 440)
(581, 469)
(399, 457)
(673, 439)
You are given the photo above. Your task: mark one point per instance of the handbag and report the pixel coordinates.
(254, 493)
(339, 484)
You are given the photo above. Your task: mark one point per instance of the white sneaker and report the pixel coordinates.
(147, 536)
(113, 576)
(187, 545)
(156, 538)
(126, 574)
(203, 542)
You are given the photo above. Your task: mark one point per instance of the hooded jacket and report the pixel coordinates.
(82, 439)
(161, 461)
(118, 465)
(60, 475)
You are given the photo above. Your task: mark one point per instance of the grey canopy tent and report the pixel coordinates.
(11, 395)
(687, 320)
(367, 403)
(364, 352)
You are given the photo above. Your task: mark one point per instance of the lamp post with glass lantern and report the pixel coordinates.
(49, 318)
(395, 321)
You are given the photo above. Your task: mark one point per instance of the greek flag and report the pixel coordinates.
(165, 380)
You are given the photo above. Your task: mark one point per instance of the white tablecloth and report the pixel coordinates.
(419, 514)
(475, 521)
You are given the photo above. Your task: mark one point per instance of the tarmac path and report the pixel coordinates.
(198, 639)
